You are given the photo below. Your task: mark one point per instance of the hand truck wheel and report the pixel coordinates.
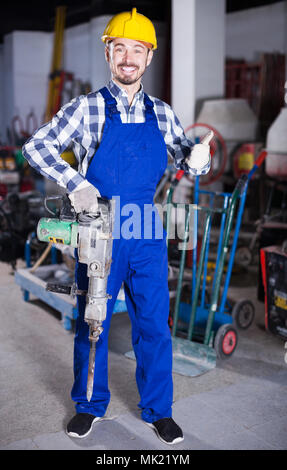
(225, 341)
(243, 314)
(243, 256)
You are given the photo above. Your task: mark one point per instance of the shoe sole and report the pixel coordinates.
(175, 441)
(74, 434)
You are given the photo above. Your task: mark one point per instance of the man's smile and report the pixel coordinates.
(128, 69)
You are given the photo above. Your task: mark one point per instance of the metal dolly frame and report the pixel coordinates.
(210, 332)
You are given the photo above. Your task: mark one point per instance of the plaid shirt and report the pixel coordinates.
(79, 125)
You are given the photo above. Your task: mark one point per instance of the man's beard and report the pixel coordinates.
(128, 80)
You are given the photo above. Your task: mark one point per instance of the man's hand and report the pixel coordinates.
(85, 198)
(200, 154)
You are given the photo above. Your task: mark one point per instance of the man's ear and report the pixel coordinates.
(107, 53)
(149, 57)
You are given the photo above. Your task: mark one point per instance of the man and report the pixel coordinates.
(120, 137)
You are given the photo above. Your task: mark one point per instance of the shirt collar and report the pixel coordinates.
(120, 93)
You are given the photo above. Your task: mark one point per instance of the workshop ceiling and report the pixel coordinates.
(40, 15)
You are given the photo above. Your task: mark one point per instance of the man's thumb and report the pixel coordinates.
(207, 138)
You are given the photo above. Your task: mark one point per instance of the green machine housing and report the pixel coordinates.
(58, 231)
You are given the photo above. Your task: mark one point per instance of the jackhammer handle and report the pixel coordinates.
(59, 288)
(65, 212)
(51, 198)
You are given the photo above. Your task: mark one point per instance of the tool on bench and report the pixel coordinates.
(91, 234)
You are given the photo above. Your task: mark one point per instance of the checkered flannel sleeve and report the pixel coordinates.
(44, 148)
(178, 145)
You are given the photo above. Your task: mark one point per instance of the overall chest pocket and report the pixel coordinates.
(136, 165)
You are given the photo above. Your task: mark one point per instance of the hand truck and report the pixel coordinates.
(210, 332)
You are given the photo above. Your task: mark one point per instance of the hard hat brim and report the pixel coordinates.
(105, 38)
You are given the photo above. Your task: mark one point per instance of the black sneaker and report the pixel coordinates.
(81, 425)
(167, 430)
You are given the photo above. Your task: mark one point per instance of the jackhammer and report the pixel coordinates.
(91, 234)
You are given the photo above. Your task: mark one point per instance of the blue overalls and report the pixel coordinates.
(128, 164)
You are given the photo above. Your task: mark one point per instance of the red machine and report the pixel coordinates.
(274, 274)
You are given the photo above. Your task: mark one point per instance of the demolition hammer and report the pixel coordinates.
(91, 235)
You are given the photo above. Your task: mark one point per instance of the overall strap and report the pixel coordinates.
(111, 110)
(110, 104)
(149, 109)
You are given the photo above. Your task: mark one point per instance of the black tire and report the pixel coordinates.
(225, 341)
(243, 314)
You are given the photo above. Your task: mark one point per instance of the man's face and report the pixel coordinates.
(128, 60)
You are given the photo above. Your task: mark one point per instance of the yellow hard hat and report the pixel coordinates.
(131, 26)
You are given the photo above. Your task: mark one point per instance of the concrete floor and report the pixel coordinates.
(241, 404)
